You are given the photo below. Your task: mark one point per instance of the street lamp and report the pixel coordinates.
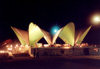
(95, 19)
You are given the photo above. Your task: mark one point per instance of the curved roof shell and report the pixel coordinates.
(35, 33)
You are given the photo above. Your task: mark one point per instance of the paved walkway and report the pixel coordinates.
(48, 57)
(53, 62)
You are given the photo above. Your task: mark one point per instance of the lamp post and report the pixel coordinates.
(95, 19)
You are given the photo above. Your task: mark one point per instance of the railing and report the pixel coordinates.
(88, 51)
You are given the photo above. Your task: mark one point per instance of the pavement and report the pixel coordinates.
(53, 62)
(13, 59)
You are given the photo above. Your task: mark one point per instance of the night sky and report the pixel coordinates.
(47, 14)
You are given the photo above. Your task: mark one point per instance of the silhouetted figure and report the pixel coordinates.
(86, 51)
(34, 52)
(37, 55)
(62, 51)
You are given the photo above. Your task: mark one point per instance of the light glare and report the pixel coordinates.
(54, 30)
(95, 19)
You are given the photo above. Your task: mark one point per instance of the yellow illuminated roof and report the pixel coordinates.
(22, 35)
(79, 41)
(67, 34)
(34, 34)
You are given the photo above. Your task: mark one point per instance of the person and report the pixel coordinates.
(86, 51)
(37, 55)
(34, 53)
(62, 52)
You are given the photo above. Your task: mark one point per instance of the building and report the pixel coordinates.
(35, 33)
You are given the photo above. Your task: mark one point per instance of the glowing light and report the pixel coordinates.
(20, 49)
(81, 46)
(10, 45)
(5, 43)
(46, 45)
(16, 45)
(9, 49)
(26, 45)
(7, 46)
(39, 45)
(2, 51)
(54, 29)
(95, 19)
(10, 54)
(96, 49)
(57, 45)
(67, 47)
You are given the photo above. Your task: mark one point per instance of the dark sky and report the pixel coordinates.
(19, 14)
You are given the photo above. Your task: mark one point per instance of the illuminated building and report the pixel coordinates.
(35, 33)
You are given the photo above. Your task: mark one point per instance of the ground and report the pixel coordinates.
(53, 62)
